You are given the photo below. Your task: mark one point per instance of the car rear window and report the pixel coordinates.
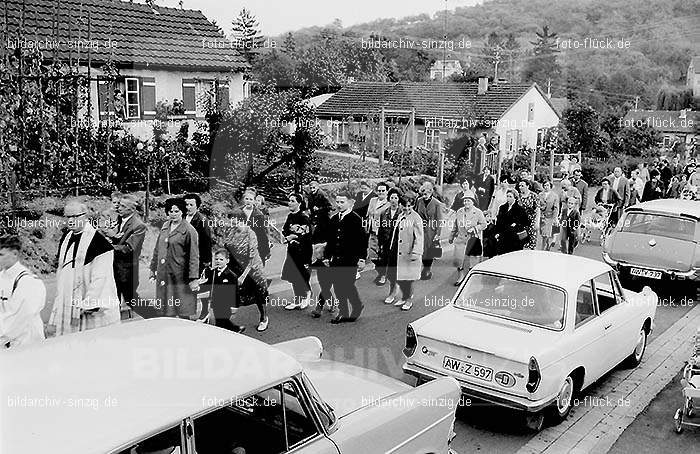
(660, 225)
(507, 297)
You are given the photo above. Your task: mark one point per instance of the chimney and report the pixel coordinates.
(483, 85)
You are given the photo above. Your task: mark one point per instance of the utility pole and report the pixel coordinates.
(496, 61)
(636, 102)
(444, 49)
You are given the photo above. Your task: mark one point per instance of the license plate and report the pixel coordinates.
(463, 367)
(646, 273)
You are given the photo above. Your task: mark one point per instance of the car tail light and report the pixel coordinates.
(533, 375)
(411, 342)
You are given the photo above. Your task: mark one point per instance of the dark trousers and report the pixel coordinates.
(427, 264)
(325, 282)
(569, 241)
(349, 302)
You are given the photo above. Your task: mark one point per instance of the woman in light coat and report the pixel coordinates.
(405, 254)
(466, 236)
(549, 214)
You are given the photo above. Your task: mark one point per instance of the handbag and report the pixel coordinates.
(522, 235)
(435, 250)
(473, 247)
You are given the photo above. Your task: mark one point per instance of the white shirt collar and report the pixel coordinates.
(12, 272)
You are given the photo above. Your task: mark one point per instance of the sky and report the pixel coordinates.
(280, 16)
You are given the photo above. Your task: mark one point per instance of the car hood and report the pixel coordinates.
(636, 249)
(347, 388)
(497, 336)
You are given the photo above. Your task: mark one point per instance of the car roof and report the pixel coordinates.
(670, 206)
(145, 376)
(563, 270)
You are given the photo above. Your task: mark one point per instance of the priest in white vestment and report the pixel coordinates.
(86, 293)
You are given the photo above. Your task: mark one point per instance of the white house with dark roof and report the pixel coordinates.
(162, 54)
(516, 114)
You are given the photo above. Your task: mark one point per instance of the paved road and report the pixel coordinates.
(376, 339)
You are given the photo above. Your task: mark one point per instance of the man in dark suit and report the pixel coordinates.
(362, 199)
(345, 252)
(201, 225)
(484, 189)
(319, 206)
(127, 244)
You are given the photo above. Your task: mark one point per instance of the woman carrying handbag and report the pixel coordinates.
(466, 236)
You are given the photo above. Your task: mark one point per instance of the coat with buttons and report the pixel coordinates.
(176, 253)
(409, 228)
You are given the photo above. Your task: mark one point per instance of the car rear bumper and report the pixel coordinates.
(625, 268)
(481, 392)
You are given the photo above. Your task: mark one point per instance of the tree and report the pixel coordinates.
(542, 65)
(582, 132)
(245, 33)
(669, 98)
(636, 141)
(289, 46)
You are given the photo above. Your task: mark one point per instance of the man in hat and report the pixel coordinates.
(86, 293)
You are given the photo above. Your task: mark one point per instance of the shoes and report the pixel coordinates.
(292, 305)
(358, 276)
(380, 280)
(315, 314)
(426, 276)
(390, 299)
(340, 319)
(399, 303)
(458, 282)
(407, 305)
(304, 303)
(263, 325)
(240, 330)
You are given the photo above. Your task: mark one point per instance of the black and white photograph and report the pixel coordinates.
(313, 227)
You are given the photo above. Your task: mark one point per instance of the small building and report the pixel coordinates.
(693, 75)
(164, 56)
(424, 114)
(443, 69)
(675, 126)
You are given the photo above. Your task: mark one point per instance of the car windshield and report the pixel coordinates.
(660, 225)
(507, 297)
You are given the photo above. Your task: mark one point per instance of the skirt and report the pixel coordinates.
(469, 247)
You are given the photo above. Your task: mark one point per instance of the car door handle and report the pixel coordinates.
(608, 326)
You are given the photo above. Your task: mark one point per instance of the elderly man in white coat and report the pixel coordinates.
(86, 294)
(22, 297)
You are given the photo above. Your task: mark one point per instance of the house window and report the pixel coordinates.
(531, 112)
(246, 89)
(133, 104)
(432, 138)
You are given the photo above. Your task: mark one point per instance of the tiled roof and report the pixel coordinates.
(455, 101)
(664, 120)
(144, 36)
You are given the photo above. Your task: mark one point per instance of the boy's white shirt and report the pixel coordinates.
(20, 313)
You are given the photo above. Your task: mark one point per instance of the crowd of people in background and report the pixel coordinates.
(399, 232)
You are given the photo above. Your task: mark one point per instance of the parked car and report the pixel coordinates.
(178, 387)
(657, 241)
(530, 329)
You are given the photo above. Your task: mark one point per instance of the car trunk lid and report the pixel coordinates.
(652, 251)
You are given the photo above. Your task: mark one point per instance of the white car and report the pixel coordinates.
(530, 329)
(171, 386)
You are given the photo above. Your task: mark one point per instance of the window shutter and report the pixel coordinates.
(188, 97)
(148, 97)
(519, 139)
(104, 90)
(222, 96)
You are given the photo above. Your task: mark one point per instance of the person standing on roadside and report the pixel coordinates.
(127, 244)
(201, 225)
(22, 297)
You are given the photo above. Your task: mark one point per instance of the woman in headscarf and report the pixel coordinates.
(296, 269)
(245, 262)
(466, 234)
(511, 224)
(530, 204)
